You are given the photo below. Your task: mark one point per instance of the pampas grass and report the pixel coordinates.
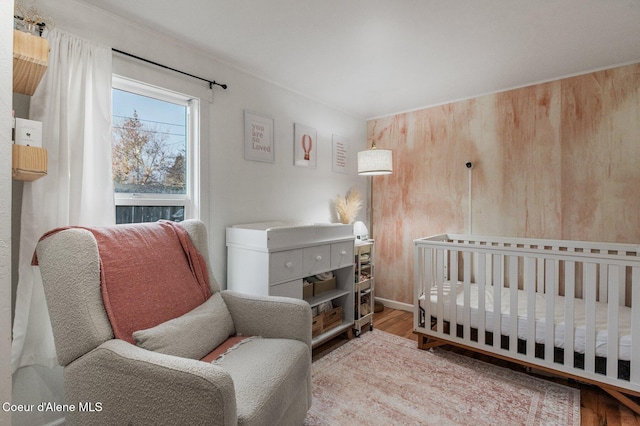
(347, 207)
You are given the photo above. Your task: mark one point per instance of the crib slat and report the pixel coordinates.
(622, 287)
(513, 304)
(635, 325)
(481, 298)
(440, 285)
(589, 275)
(487, 268)
(453, 280)
(550, 292)
(612, 321)
(428, 258)
(418, 284)
(530, 288)
(498, 276)
(569, 304)
(556, 277)
(466, 325)
(540, 286)
(602, 286)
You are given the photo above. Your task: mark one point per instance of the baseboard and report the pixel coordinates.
(395, 305)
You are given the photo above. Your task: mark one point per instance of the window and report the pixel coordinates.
(154, 153)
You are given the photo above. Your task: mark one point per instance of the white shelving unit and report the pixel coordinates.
(274, 258)
(364, 285)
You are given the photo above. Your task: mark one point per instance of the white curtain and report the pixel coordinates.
(73, 101)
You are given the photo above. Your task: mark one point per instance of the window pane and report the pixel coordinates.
(138, 214)
(149, 144)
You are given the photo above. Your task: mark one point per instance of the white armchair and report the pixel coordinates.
(265, 380)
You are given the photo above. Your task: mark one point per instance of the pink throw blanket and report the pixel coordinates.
(149, 272)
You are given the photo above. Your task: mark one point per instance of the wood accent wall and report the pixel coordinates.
(557, 160)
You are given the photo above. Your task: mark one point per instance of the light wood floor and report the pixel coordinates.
(597, 407)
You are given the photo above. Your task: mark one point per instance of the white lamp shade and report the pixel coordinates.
(375, 162)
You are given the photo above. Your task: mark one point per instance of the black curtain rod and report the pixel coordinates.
(211, 82)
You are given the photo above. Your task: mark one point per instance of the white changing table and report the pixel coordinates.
(273, 258)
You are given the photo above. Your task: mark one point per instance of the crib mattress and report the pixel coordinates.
(624, 327)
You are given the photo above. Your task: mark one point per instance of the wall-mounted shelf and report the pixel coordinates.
(28, 163)
(30, 61)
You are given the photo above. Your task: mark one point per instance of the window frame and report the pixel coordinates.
(190, 199)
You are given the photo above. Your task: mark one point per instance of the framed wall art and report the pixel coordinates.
(258, 137)
(305, 146)
(340, 154)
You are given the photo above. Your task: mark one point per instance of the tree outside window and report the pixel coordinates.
(144, 160)
(152, 153)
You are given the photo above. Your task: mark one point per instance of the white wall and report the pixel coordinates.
(234, 190)
(6, 73)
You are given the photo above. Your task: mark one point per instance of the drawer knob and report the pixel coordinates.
(343, 253)
(318, 258)
(289, 265)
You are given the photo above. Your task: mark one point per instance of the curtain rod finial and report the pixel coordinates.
(212, 83)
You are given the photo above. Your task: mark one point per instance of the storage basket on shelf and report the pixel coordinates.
(28, 163)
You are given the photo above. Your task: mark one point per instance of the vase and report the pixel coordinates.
(27, 27)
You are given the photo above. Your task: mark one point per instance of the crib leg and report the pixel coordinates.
(425, 343)
(627, 402)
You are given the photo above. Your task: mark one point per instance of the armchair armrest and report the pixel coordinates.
(270, 316)
(126, 380)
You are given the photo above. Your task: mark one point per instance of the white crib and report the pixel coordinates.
(579, 295)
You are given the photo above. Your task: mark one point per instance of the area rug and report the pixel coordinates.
(383, 379)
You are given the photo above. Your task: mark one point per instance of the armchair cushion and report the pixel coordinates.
(192, 335)
(267, 375)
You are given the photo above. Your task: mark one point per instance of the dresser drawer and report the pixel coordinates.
(341, 254)
(285, 265)
(316, 259)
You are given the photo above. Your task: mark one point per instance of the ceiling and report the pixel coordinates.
(372, 58)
